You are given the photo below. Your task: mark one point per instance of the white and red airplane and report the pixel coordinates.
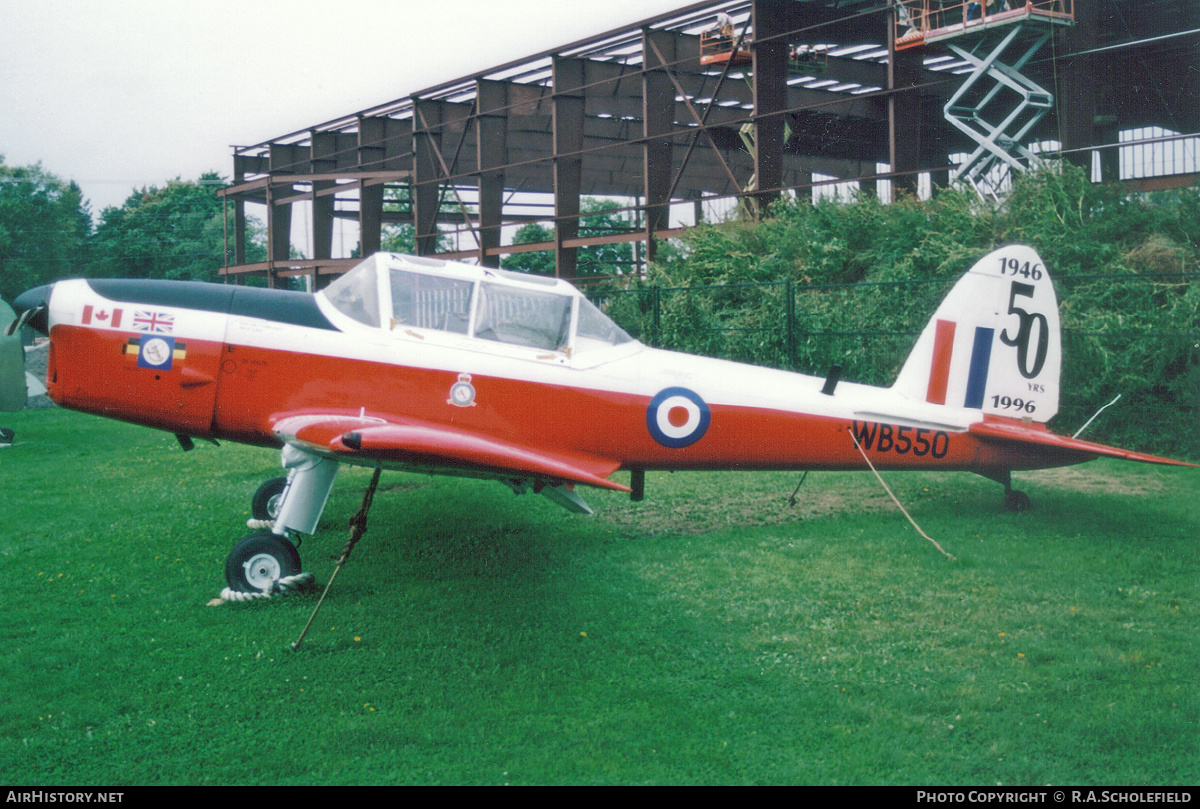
(424, 365)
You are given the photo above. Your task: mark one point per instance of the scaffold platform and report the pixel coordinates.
(925, 22)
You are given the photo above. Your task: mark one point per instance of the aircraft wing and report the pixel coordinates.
(1005, 430)
(440, 448)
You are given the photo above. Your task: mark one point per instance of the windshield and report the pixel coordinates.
(355, 294)
(596, 330)
(523, 317)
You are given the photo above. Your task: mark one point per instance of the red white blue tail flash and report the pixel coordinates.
(993, 344)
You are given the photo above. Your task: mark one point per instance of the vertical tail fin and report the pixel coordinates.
(994, 342)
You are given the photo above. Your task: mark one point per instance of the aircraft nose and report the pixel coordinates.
(31, 307)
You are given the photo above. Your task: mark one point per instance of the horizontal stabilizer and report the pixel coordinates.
(1005, 430)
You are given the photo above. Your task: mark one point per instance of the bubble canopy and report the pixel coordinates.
(390, 292)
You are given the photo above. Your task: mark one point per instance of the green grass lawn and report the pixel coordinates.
(709, 635)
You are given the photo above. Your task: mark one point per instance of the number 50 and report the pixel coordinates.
(1025, 331)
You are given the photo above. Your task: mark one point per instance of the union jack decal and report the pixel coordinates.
(153, 322)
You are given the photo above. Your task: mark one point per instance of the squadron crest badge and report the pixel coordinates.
(462, 393)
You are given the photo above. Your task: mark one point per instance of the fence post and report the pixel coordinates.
(1196, 402)
(657, 300)
(790, 314)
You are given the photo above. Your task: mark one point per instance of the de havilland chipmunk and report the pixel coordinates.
(417, 364)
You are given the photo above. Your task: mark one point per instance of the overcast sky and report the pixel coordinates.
(121, 94)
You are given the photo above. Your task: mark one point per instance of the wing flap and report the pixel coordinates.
(1032, 433)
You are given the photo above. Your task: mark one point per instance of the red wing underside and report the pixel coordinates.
(1032, 433)
(426, 445)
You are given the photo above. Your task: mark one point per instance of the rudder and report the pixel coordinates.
(994, 343)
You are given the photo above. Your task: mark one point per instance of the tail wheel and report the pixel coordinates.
(259, 561)
(264, 505)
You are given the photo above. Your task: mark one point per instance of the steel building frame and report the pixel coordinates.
(641, 114)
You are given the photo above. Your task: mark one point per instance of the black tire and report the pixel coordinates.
(260, 560)
(264, 505)
(1017, 501)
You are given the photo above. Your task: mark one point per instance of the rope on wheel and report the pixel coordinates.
(282, 587)
(255, 525)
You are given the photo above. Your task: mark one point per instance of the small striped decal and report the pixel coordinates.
(133, 346)
(939, 372)
(981, 357)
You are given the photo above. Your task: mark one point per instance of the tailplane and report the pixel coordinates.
(994, 343)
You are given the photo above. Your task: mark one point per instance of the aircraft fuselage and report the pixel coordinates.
(216, 361)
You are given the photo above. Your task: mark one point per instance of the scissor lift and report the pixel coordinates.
(996, 105)
(720, 46)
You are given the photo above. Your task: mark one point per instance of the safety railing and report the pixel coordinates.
(917, 21)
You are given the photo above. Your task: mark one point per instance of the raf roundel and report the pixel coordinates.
(677, 417)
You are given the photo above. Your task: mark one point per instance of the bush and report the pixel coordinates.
(865, 277)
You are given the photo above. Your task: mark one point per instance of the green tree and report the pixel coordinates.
(536, 262)
(599, 217)
(44, 227)
(402, 237)
(172, 232)
(399, 238)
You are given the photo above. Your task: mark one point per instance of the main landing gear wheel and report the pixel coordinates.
(264, 505)
(260, 562)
